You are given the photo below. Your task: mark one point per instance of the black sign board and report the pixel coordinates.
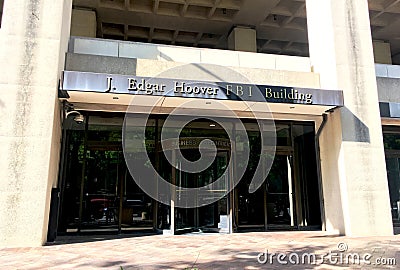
(135, 85)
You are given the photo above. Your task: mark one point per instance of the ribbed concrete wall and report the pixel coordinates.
(33, 40)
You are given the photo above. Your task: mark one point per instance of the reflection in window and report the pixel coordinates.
(391, 141)
(283, 135)
(393, 173)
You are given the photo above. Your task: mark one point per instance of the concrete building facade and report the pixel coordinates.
(327, 70)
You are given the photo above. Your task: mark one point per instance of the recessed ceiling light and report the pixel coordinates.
(212, 125)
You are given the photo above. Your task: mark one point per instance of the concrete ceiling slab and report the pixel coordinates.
(281, 24)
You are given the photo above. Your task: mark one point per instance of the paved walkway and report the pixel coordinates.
(206, 251)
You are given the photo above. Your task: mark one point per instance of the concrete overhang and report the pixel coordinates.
(88, 91)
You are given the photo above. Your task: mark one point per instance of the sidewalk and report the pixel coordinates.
(203, 251)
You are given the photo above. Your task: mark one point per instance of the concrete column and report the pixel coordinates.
(34, 37)
(83, 23)
(355, 187)
(242, 39)
(382, 53)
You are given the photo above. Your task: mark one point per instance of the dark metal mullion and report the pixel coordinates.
(319, 170)
(122, 184)
(235, 191)
(122, 181)
(62, 172)
(157, 165)
(392, 153)
(294, 178)
(83, 172)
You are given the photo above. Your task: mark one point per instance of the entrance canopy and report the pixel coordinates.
(105, 92)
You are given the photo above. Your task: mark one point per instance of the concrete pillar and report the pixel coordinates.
(356, 197)
(242, 39)
(34, 37)
(83, 23)
(382, 53)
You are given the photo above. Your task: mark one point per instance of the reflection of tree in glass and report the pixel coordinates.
(391, 141)
(277, 179)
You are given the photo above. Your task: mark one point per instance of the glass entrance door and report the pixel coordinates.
(211, 217)
(393, 174)
(251, 214)
(99, 195)
(391, 139)
(111, 198)
(279, 193)
(272, 205)
(289, 197)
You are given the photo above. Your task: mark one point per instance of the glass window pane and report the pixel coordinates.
(391, 141)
